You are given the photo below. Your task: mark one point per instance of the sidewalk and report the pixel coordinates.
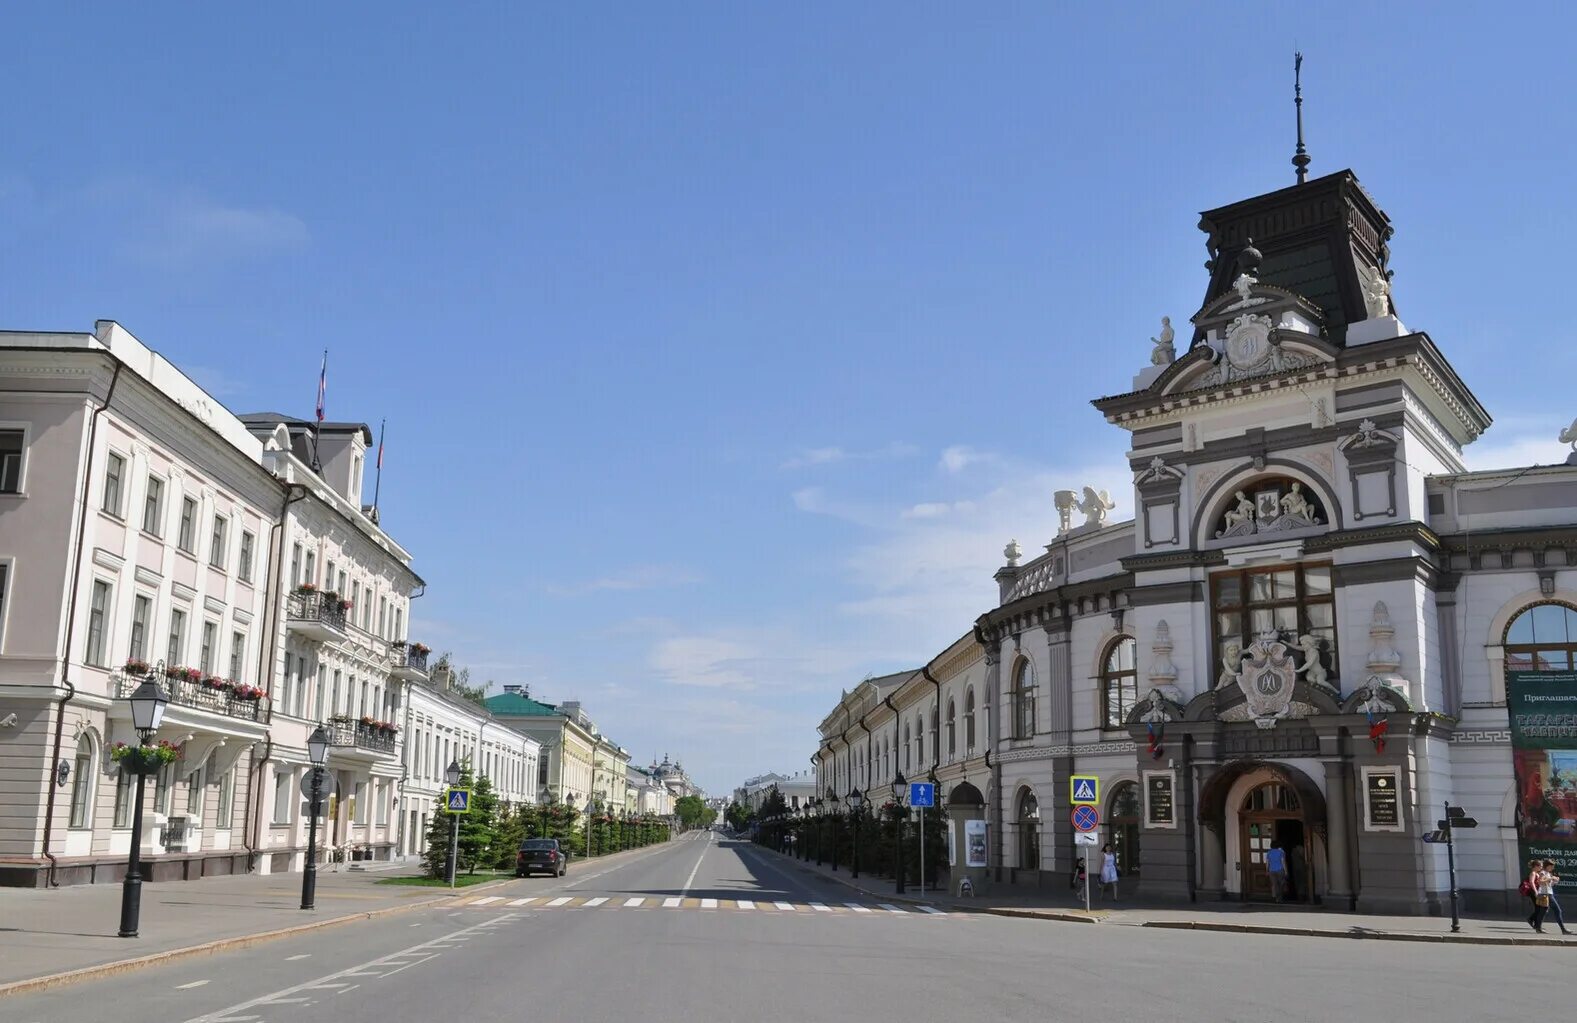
(50, 937)
(1050, 904)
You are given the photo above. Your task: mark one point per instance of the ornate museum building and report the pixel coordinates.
(1317, 630)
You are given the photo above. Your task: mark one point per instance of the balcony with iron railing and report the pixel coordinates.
(217, 696)
(361, 736)
(315, 615)
(410, 660)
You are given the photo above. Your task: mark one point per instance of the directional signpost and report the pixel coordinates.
(1456, 817)
(1086, 819)
(921, 795)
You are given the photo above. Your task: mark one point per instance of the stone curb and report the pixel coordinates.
(54, 980)
(1444, 937)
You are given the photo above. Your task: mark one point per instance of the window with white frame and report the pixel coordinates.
(381, 799)
(194, 795)
(163, 784)
(295, 564)
(141, 613)
(1023, 699)
(82, 784)
(222, 812)
(125, 788)
(243, 568)
(114, 483)
(217, 542)
(186, 533)
(284, 795)
(205, 659)
(175, 649)
(98, 623)
(11, 447)
(237, 654)
(153, 507)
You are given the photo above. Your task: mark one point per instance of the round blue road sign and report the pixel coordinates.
(1086, 818)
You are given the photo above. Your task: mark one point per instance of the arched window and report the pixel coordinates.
(1119, 682)
(1028, 830)
(1023, 699)
(919, 742)
(1287, 600)
(952, 731)
(908, 737)
(969, 719)
(1542, 638)
(936, 739)
(82, 784)
(1123, 812)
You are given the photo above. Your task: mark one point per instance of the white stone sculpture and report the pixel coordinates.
(1569, 436)
(1012, 552)
(1163, 353)
(1239, 519)
(1244, 286)
(1095, 506)
(1296, 505)
(1384, 658)
(1376, 292)
(1066, 501)
(1231, 664)
(1162, 671)
(1267, 678)
(1312, 670)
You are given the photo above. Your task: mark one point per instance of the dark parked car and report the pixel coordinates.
(541, 856)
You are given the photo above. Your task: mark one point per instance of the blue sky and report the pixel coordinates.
(722, 347)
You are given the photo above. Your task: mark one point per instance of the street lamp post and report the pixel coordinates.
(899, 785)
(856, 799)
(815, 813)
(452, 776)
(832, 816)
(147, 712)
(318, 753)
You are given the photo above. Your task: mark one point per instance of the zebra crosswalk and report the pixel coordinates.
(605, 903)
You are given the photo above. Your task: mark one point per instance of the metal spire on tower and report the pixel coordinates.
(1300, 158)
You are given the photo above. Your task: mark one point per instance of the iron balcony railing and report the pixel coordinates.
(361, 736)
(186, 693)
(316, 607)
(411, 657)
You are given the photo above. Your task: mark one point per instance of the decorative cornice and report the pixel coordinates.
(1484, 737)
(1115, 748)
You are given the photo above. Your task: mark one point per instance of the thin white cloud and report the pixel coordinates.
(706, 662)
(190, 229)
(637, 577)
(809, 457)
(1519, 449)
(958, 457)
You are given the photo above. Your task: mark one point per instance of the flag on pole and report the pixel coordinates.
(323, 383)
(380, 442)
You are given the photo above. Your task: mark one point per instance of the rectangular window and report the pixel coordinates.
(237, 654)
(1287, 600)
(312, 566)
(222, 820)
(194, 796)
(114, 473)
(334, 704)
(216, 545)
(243, 570)
(176, 649)
(399, 623)
(205, 659)
(141, 612)
(10, 461)
(186, 536)
(318, 702)
(361, 802)
(381, 798)
(355, 602)
(125, 788)
(383, 616)
(153, 507)
(81, 784)
(328, 575)
(295, 565)
(98, 620)
(164, 782)
(284, 795)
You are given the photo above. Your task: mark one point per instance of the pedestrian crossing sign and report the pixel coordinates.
(1086, 788)
(458, 801)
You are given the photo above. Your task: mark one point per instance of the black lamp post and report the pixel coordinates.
(856, 799)
(815, 812)
(318, 753)
(899, 786)
(832, 819)
(147, 712)
(452, 776)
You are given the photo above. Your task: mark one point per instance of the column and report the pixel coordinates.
(1337, 828)
(1212, 862)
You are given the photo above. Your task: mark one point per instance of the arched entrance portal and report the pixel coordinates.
(1247, 806)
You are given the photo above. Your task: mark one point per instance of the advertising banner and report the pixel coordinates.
(1543, 709)
(974, 843)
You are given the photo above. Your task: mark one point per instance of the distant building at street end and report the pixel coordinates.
(797, 789)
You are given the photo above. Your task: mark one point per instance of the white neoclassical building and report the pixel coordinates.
(1318, 629)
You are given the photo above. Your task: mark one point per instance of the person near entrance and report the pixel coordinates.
(1109, 873)
(1276, 867)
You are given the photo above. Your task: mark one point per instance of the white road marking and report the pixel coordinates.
(708, 903)
(785, 905)
(287, 1001)
(857, 907)
(590, 903)
(561, 900)
(633, 902)
(689, 880)
(932, 911)
(891, 908)
(745, 904)
(672, 903)
(230, 1013)
(490, 898)
(302, 955)
(195, 983)
(407, 966)
(523, 902)
(818, 907)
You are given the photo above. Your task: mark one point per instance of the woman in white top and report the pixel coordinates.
(1109, 870)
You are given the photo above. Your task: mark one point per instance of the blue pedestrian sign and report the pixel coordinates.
(458, 801)
(1084, 788)
(922, 793)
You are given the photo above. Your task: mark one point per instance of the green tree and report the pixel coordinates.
(738, 816)
(435, 860)
(515, 824)
(690, 810)
(478, 826)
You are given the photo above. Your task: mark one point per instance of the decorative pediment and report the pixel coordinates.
(1267, 507)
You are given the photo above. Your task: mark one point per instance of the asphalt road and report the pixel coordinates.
(720, 930)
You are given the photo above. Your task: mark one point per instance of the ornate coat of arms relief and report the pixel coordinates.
(1266, 678)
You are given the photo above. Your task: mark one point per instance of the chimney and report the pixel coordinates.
(441, 677)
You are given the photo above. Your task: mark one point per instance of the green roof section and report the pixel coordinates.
(519, 705)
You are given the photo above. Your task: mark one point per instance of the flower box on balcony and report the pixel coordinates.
(421, 649)
(183, 674)
(241, 691)
(217, 684)
(307, 588)
(137, 668)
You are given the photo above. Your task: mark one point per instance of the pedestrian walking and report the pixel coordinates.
(1555, 902)
(1537, 886)
(1276, 866)
(1076, 880)
(1109, 874)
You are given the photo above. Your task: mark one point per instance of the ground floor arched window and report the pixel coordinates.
(1028, 830)
(1123, 811)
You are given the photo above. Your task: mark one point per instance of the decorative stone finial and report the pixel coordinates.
(1012, 552)
(1065, 501)
(1163, 672)
(1384, 659)
(1249, 259)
